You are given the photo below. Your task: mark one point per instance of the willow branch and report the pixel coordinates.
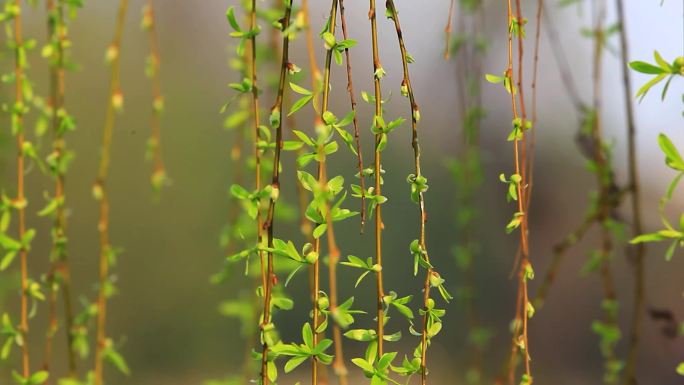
(277, 109)
(378, 178)
(352, 102)
(520, 335)
(637, 226)
(59, 264)
(406, 82)
(114, 103)
(18, 121)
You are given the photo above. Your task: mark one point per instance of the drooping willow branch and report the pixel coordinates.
(276, 121)
(606, 205)
(18, 112)
(352, 102)
(59, 277)
(418, 187)
(107, 253)
(257, 134)
(377, 174)
(333, 250)
(158, 177)
(602, 212)
(637, 226)
(520, 180)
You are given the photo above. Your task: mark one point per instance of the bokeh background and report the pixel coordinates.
(165, 317)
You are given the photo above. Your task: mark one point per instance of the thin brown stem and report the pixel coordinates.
(357, 134)
(637, 226)
(333, 250)
(340, 370)
(114, 103)
(533, 131)
(21, 198)
(257, 137)
(520, 338)
(380, 291)
(277, 109)
(415, 114)
(59, 265)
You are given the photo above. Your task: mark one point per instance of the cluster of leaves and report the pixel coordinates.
(661, 69)
(673, 160)
(670, 233)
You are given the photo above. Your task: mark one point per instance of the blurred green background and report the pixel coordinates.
(165, 317)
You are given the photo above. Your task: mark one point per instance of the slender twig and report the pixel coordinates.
(520, 338)
(604, 177)
(276, 110)
(352, 102)
(114, 103)
(333, 250)
(415, 114)
(18, 122)
(59, 265)
(637, 226)
(378, 179)
(158, 177)
(306, 226)
(257, 135)
(533, 130)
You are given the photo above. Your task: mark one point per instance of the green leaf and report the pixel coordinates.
(329, 39)
(300, 90)
(672, 157)
(271, 371)
(6, 348)
(661, 62)
(363, 364)
(239, 192)
(38, 377)
(230, 15)
(117, 360)
(652, 237)
(494, 79)
(645, 68)
(296, 106)
(293, 362)
(670, 250)
(319, 230)
(292, 274)
(641, 93)
(307, 335)
(7, 259)
(361, 277)
(8, 243)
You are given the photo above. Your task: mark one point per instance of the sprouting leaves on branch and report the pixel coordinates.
(661, 69)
